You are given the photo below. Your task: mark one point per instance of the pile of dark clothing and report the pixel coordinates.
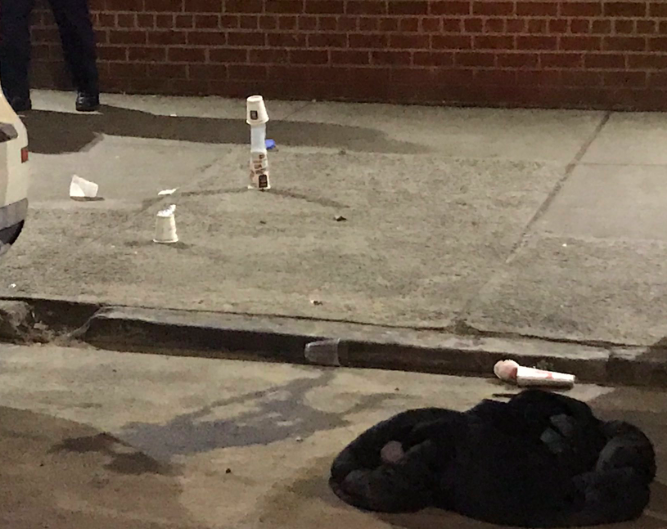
(539, 460)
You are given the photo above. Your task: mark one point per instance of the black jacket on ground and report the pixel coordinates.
(539, 460)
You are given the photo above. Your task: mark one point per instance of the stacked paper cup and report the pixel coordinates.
(257, 117)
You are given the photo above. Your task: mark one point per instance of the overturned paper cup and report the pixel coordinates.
(256, 113)
(326, 352)
(165, 226)
(82, 189)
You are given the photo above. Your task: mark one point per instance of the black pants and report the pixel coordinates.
(76, 34)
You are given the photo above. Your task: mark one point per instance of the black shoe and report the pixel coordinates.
(87, 101)
(20, 104)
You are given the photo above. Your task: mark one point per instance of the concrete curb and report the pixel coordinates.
(283, 339)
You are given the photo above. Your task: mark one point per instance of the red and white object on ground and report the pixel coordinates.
(511, 371)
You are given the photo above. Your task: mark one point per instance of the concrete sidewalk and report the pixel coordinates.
(541, 224)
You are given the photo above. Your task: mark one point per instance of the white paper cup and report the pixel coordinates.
(81, 188)
(256, 113)
(258, 138)
(259, 171)
(165, 227)
(324, 352)
(528, 376)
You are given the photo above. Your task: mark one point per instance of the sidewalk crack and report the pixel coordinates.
(569, 169)
(459, 317)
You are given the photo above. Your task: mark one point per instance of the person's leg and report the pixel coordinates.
(15, 51)
(78, 41)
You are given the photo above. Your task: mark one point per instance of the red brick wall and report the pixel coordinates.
(547, 53)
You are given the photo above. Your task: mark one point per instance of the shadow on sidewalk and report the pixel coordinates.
(61, 132)
(61, 474)
(258, 418)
